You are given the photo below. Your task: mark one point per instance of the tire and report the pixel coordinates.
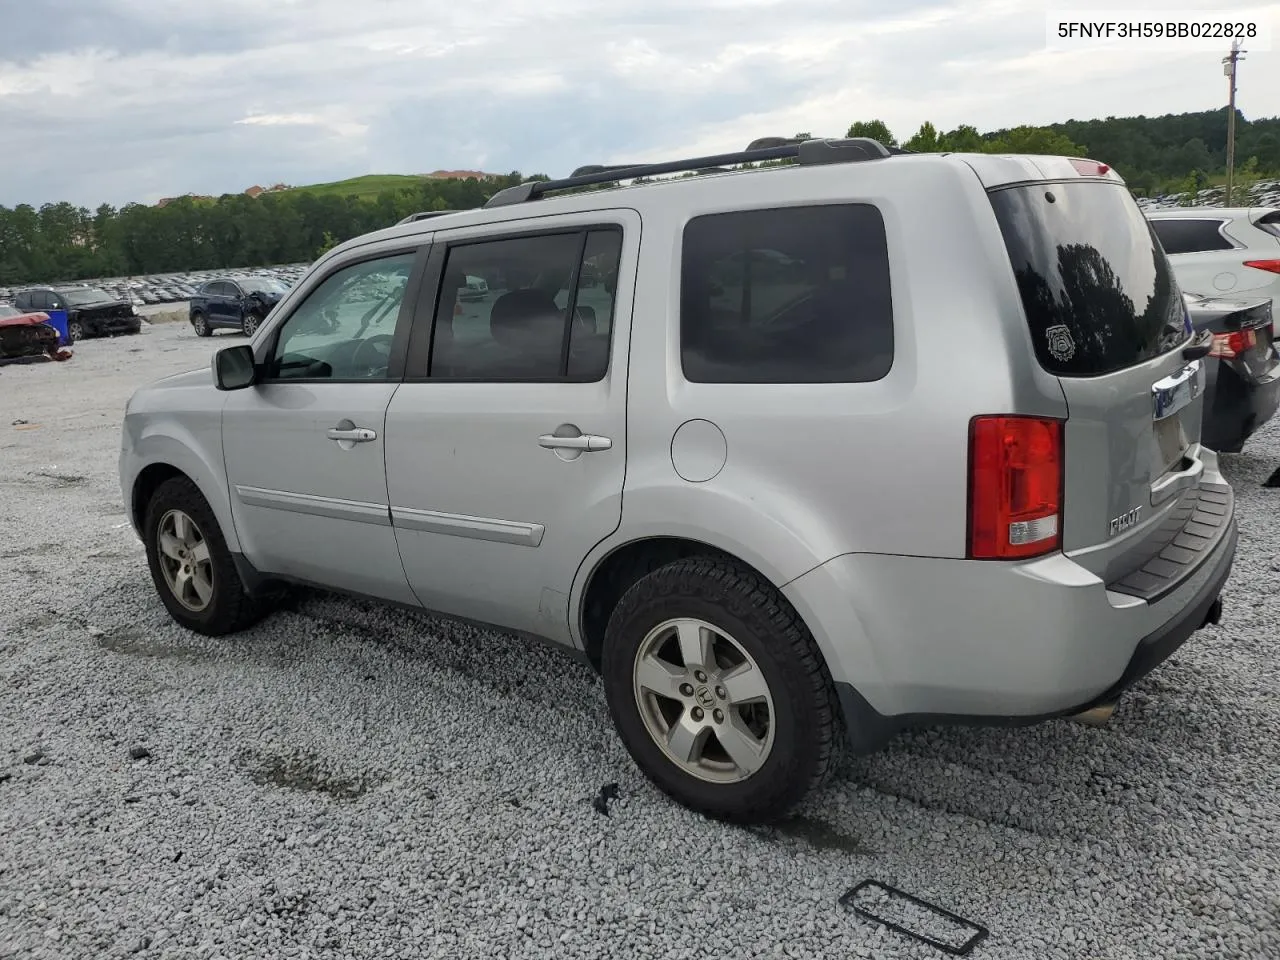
(200, 325)
(75, 331)
(799, 746)
(250, 324)
(228, 607)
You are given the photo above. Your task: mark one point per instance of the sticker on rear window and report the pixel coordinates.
(1061, 346)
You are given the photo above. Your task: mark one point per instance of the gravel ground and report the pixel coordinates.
(347, 781)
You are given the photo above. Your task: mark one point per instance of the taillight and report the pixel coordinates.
(1271, 266)
(1015, 487)
(1228, 345)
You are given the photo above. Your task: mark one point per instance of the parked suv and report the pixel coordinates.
(828, 449)
(1222, 250)
(87, 311)
(239, 304)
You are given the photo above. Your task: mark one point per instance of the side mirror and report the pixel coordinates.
(233, 367)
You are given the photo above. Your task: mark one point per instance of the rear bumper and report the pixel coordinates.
(915, 641)
(1236, 407)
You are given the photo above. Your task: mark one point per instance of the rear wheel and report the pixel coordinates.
(75, 331)
(200, 325)
(719, 692)
(191, 566)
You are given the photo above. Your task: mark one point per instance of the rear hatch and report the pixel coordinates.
(1106, 317)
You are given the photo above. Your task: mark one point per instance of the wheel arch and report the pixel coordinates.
(609, 575)
(162, 457)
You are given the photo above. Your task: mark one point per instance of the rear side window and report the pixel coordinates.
(1190, 236)
(1269, 223)
(788, 295)
(1096, 286)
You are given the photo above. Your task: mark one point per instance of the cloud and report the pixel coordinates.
(137, 99)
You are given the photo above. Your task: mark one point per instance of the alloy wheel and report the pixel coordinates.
(185, 561)
(704, 700)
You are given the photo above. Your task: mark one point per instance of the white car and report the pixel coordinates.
(1222, 250)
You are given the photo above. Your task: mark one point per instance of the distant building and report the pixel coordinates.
(255, 191)
(460, 175)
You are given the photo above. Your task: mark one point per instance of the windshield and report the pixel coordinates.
(84, 295)
(263, 285)
(8, 311)
(1096, 287)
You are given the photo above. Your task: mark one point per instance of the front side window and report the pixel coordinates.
(789, 295)
(527, 308)
(343, 329)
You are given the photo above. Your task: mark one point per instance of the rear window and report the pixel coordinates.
(1190, 236)
(786, 295)
(1096, 286)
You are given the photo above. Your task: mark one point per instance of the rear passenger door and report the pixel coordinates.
(1204, 259)
(506, 443)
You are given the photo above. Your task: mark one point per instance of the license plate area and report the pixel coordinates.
(1171, 443)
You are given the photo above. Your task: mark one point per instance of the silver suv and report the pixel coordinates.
(795, 455)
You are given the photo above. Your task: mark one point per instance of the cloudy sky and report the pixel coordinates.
(132, 100)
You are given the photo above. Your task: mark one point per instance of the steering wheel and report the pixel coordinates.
(373, 355)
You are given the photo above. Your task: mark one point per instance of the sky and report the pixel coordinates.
(122, 101)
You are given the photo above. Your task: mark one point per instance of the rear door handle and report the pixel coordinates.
(588, 443)
(353, 435)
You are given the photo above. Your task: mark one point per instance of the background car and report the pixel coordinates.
(1222, 250)
(240, 304)
(85, 311)
(26, 335)
(1242, 387)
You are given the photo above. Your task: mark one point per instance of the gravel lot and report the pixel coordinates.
(344, 781)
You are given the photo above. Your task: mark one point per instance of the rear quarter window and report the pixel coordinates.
(1190, 236)
(786, 295)
(1096, 287)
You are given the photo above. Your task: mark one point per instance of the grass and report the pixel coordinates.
(366, 187)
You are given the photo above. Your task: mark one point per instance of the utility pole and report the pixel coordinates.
(1229, 68)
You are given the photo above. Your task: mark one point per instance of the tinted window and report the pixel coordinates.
(1190, 236)
(343, 329)
(1096, 287)
(25, 301)
(504, 308)
(263, 285)
(792, 295)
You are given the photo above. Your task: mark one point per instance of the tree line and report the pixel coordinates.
(60, 241)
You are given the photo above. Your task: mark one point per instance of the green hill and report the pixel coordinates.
(366, 188)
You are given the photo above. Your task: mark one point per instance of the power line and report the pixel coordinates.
(1229, 69)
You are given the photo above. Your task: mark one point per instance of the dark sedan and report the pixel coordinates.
(1243, 374)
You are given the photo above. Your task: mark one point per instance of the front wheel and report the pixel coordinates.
(250, 324)
(719, 692)
(191, 566)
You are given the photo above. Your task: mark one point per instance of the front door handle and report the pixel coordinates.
(353, 435)
(588, 443)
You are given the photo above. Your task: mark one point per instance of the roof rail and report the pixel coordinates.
(806, 152)
(425, 215)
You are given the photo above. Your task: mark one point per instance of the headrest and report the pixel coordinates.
(522, 317)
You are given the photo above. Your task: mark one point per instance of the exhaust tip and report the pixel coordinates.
(1097, 716)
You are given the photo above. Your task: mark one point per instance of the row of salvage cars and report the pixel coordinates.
(1227, 262)
(44, 321)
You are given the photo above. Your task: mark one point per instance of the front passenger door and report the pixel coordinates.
(304, 446)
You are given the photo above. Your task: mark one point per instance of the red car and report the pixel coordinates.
(27, 335)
